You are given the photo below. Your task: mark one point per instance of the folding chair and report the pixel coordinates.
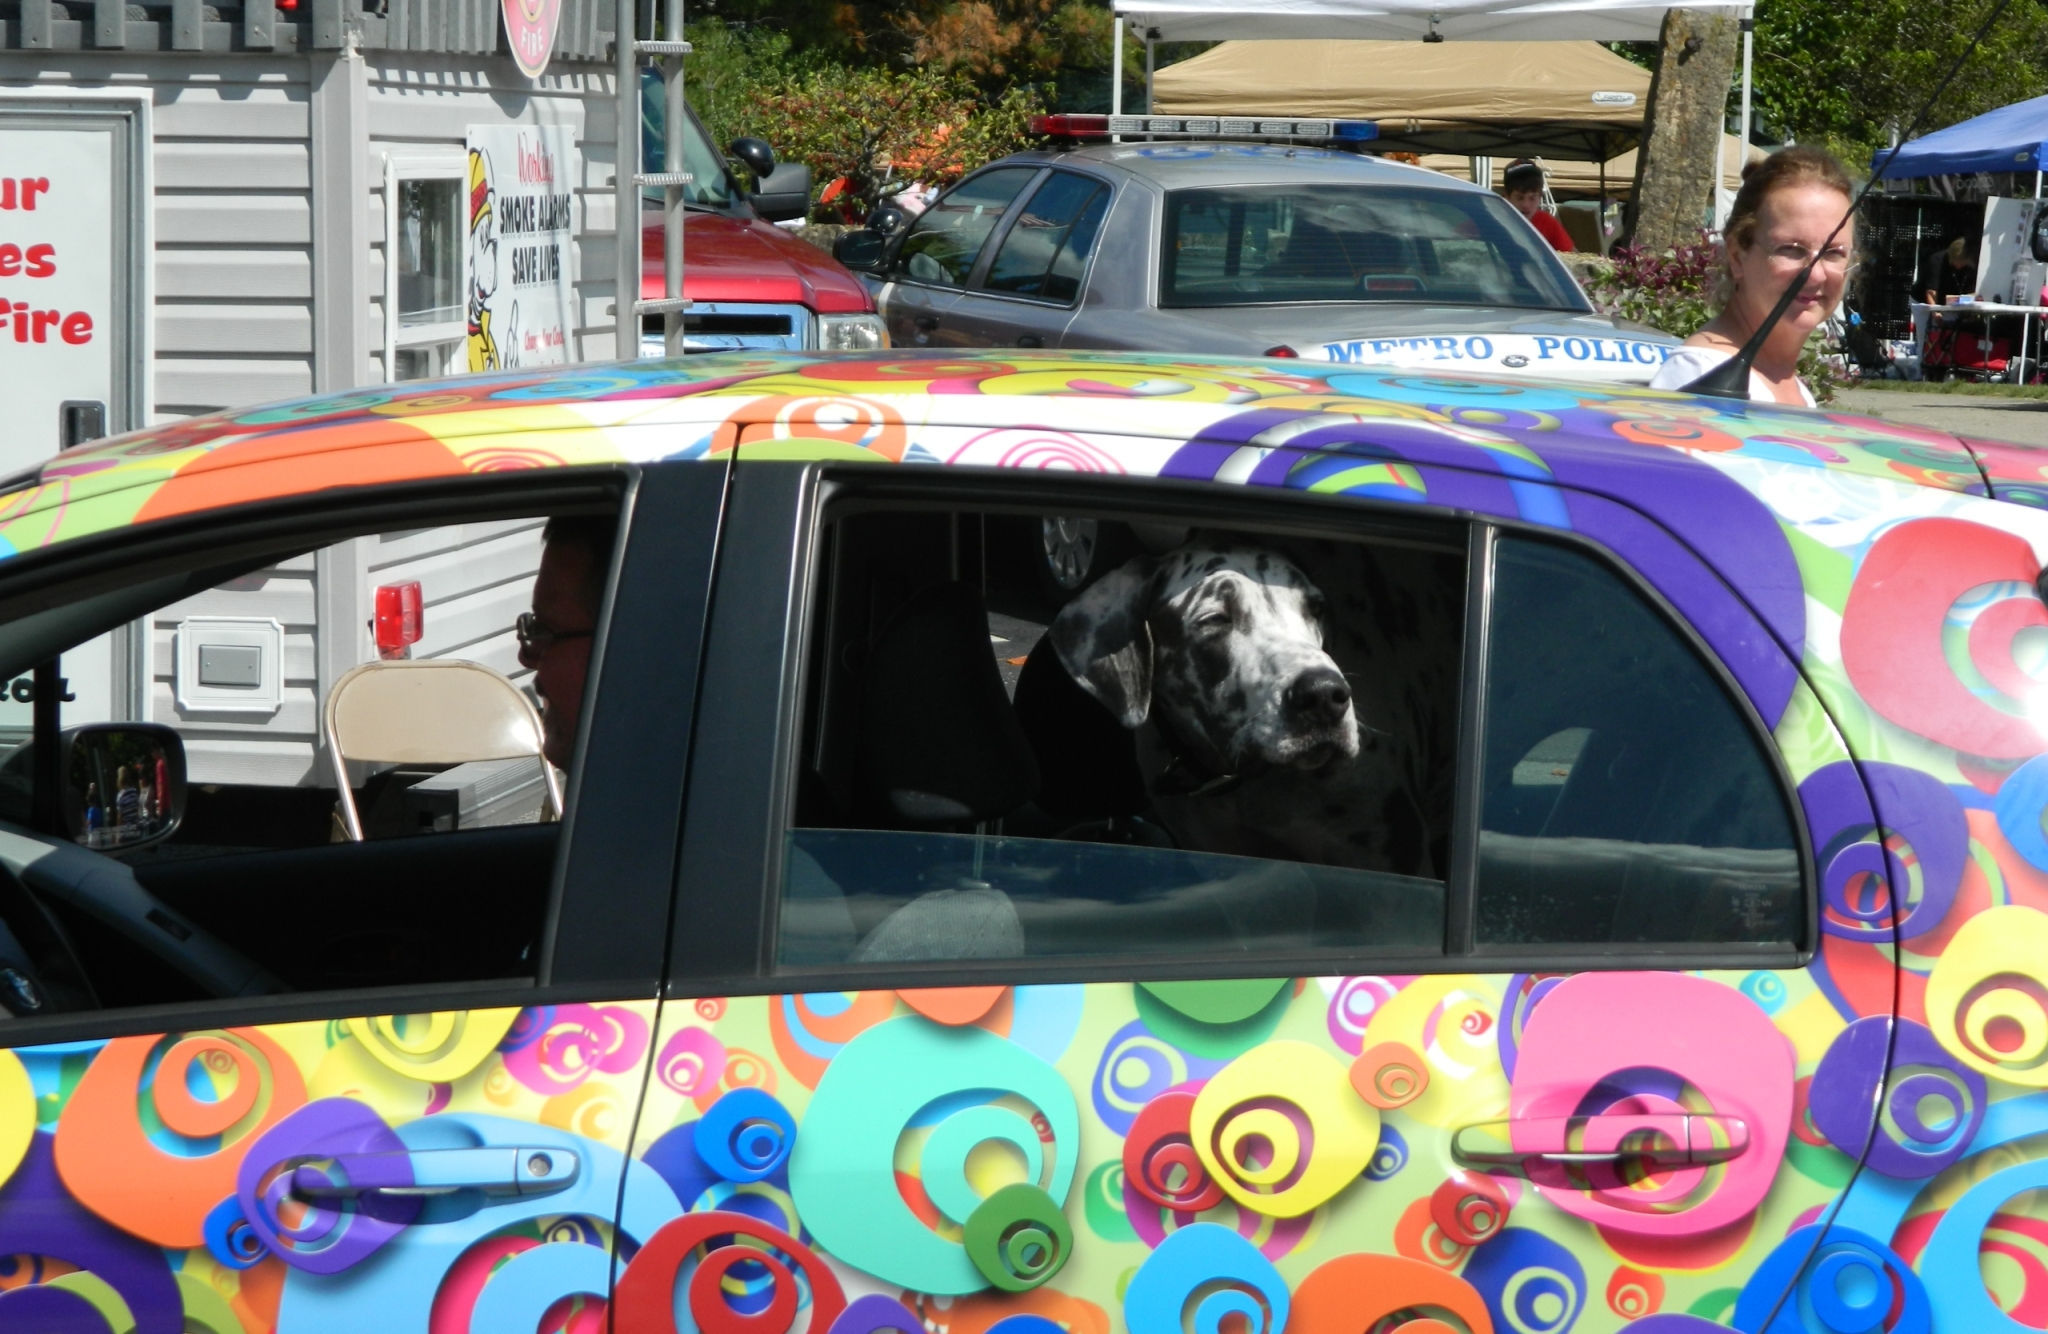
(429, 711)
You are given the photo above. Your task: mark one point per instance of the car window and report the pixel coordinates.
(371, 736)
(943, 243)
(1626, 797)
(1256, 245)
(1047, 248)
(1224, 741)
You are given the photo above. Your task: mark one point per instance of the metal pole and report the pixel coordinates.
(2033, 297)
(625, 192)
(1116, 68)
(1148, 73)
(673, 208)
(1748, 51)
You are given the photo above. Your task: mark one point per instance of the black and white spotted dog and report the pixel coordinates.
(1253, 739)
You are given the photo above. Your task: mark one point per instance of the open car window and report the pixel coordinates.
(1230, 742)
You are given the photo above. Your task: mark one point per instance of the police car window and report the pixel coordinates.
(1047, 248)
(1626, 798)
(346, 764)
(1274, 244)
(943, 243)
(1212, 742)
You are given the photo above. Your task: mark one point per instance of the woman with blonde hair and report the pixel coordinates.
(1788, 210)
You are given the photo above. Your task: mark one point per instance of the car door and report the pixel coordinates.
(311, 1083)
(1526, 1042)
(938, 255)
(1026, 293)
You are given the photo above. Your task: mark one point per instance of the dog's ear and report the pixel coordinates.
(1104, 644)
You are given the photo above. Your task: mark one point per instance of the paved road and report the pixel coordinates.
(2024, 420)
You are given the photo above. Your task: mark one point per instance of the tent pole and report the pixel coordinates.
(1148, 73)
(1116, 66)
(1748, 51)
(1600, 210)
(2034, 298)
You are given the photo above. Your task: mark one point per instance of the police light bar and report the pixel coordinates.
(1076, 126)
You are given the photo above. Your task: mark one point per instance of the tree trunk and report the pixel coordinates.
(1675, 166)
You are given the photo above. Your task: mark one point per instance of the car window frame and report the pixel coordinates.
(986, 261)
(582, 901)
(757, 655)
(898, 273)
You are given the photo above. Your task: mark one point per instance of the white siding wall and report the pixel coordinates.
(421, 103)
(233, 219)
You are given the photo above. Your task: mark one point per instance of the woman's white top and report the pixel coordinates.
(1690, 363)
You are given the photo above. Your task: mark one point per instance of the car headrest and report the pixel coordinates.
(1087, 758)
(939, 744)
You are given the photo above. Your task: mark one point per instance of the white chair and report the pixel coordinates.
(429, 711)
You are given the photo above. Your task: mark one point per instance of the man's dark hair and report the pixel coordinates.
(1520, 176)
(594, 534)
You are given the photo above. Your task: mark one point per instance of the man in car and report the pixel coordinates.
(554, 638)
(1522, 183)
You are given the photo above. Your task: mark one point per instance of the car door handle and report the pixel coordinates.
(1526, 1146)
(431, 1172)
(925, 322)
(1030, 340)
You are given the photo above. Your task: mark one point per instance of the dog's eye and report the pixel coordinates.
(1213, 620)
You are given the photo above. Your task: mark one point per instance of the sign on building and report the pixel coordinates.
(72, 283)
(520, 209)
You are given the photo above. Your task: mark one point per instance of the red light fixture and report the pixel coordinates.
(1070, 125)
(401, 619)
(1281, 351)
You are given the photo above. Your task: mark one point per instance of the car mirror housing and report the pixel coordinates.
(866, 249)
(889, 219)
(784, 194)
(123, 784)
(756, 154)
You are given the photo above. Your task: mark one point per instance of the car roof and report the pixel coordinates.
(1184, 164)
(1173, 416)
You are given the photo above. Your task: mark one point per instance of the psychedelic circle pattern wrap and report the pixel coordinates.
(1116, 1159)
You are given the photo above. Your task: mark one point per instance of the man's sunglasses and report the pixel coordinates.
(536, 639)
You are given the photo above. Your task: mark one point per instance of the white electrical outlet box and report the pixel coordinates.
(230, 664)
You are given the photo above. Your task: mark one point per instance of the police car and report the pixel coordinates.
(909, 954)
(1181, 239)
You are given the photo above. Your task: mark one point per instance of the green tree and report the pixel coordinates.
(1846, 75)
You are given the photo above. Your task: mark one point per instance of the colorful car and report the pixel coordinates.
(1615, 895)
(1212, 247)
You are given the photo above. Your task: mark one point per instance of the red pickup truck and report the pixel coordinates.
(750, 283)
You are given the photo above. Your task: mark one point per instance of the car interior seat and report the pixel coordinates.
(1090, 782)
(430, 711)
(942, 751)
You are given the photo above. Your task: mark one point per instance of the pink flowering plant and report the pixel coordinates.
(1673, 291)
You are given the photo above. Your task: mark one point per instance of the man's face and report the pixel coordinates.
(1525, 201)
(562, 605)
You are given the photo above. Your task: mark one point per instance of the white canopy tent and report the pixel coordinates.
(1416, 20)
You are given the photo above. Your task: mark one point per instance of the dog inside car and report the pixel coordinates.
(1253, 737)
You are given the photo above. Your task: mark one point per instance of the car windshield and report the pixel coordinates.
(709, 184)
(1259, 245)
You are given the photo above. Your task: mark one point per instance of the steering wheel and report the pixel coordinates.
(39, 970)
(39, 867)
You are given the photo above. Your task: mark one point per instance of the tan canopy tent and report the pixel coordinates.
(1566, 99)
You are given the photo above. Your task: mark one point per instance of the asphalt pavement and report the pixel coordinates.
(2021, 420)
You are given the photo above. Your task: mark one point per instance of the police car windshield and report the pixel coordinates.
(1259, 245)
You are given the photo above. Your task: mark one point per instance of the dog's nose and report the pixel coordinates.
(1318, 695)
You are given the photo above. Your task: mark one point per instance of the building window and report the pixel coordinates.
(429, 252)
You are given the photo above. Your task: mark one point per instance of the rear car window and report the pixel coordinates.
(1257, 245)
(1626, 798)
(947, 237)
(981, 775)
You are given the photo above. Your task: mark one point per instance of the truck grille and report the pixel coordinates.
(719, 326)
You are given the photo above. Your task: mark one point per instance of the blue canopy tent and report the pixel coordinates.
(2013, 138)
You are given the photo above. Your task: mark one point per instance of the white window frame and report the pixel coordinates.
(420, 165)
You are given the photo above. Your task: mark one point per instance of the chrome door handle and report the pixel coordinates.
(431, 1172)
(1657, 1140)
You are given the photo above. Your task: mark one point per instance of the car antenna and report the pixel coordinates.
(1730, 379)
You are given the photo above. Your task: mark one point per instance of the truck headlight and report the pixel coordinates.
(852, 333)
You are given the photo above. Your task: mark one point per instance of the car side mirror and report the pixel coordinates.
(889, 219)
(756, 154)
(866, 249)
(784, 194)
(124, 784)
